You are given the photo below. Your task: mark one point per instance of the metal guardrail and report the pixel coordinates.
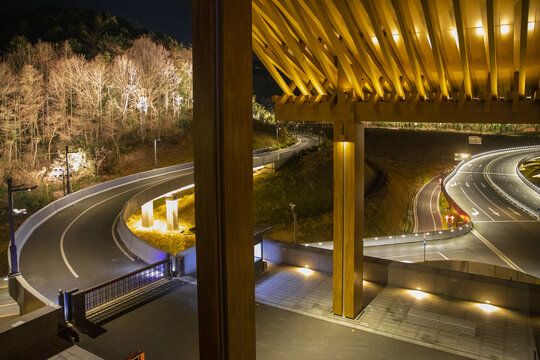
(80, 302)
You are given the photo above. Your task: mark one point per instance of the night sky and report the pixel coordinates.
(170, 17)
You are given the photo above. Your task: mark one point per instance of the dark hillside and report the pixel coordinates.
(88, 32)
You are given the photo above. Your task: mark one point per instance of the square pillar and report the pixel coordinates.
(223, 138)
(348, 215)
(147, 214)
(171, 204)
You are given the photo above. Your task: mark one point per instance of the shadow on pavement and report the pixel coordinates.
(93, 325)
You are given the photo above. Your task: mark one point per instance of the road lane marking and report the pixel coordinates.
(497, 252)
(467, 196)
(514, 211)
(497, 206)
(431, 207)
(483, 185)
(474, 212)
(62, 252)
(116, 240)
(440, 253)
(494, 212)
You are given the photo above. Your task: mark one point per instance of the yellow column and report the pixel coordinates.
(348, 215)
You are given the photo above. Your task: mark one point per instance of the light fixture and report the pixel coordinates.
(505, 29)
(480, 31)
(305, 271)
(530, 26)
(488, 308)
(419, 295)
(395, 36)
(375, 40)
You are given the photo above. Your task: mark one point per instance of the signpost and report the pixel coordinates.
(475, 140)
(424, 247)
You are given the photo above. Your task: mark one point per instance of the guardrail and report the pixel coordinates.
(523, 178)
(80, 302)
(35, 220)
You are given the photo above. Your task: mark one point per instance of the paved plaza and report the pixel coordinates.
(294, 321)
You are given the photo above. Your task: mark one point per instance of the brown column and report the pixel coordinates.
(348, 214)
(222, 88)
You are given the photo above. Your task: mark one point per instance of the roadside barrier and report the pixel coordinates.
(80, 302)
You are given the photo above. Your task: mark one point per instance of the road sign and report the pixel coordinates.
(475, 140)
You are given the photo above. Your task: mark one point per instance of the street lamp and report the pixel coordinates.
(143, 105)
(277, 136)
(12, 245)
(155, 152)
(295, 228)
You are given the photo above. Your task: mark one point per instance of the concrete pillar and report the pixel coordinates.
(223, 132)
(348, 215)
(147, 212)
(172, 213)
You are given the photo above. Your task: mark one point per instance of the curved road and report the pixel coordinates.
(426, 207)
(76, 248)
(505, 228)
(503, 234)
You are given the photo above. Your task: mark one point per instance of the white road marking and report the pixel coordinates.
(494, 212)
(483, 185)
(467, 196)
(497, 252)
(467, 184)
(514, 211)
(474, 212)
(431, 207)
(440, 253)
(84, 212)
(116, 240)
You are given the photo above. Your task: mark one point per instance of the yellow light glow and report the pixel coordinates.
(505, 29)
(487, 307)
(395, 36)
(419, 295)
(480, 31)
(530, 26)
(375, 40)
(364, 282)
(305, 271)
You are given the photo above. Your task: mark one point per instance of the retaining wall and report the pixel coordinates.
(520, 293)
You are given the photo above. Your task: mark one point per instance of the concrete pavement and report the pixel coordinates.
(294, 321)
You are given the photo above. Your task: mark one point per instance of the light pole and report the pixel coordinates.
(277, 136)
(12, 245)
(67, 171)
(294, 219)
(155, 152)
(143, 105)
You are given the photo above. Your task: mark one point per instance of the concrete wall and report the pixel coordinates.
(520, 293)
(28, 330)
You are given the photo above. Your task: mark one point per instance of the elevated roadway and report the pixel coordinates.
(78, 248)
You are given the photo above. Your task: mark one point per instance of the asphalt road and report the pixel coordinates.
(502, 226)
(426, 207)
(76, 248)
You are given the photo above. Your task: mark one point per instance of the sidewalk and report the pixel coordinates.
(294, 321)
(8, 307)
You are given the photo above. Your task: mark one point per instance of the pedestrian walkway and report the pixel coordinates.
(463, 328)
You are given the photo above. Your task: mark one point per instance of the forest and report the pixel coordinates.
(51, 97)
